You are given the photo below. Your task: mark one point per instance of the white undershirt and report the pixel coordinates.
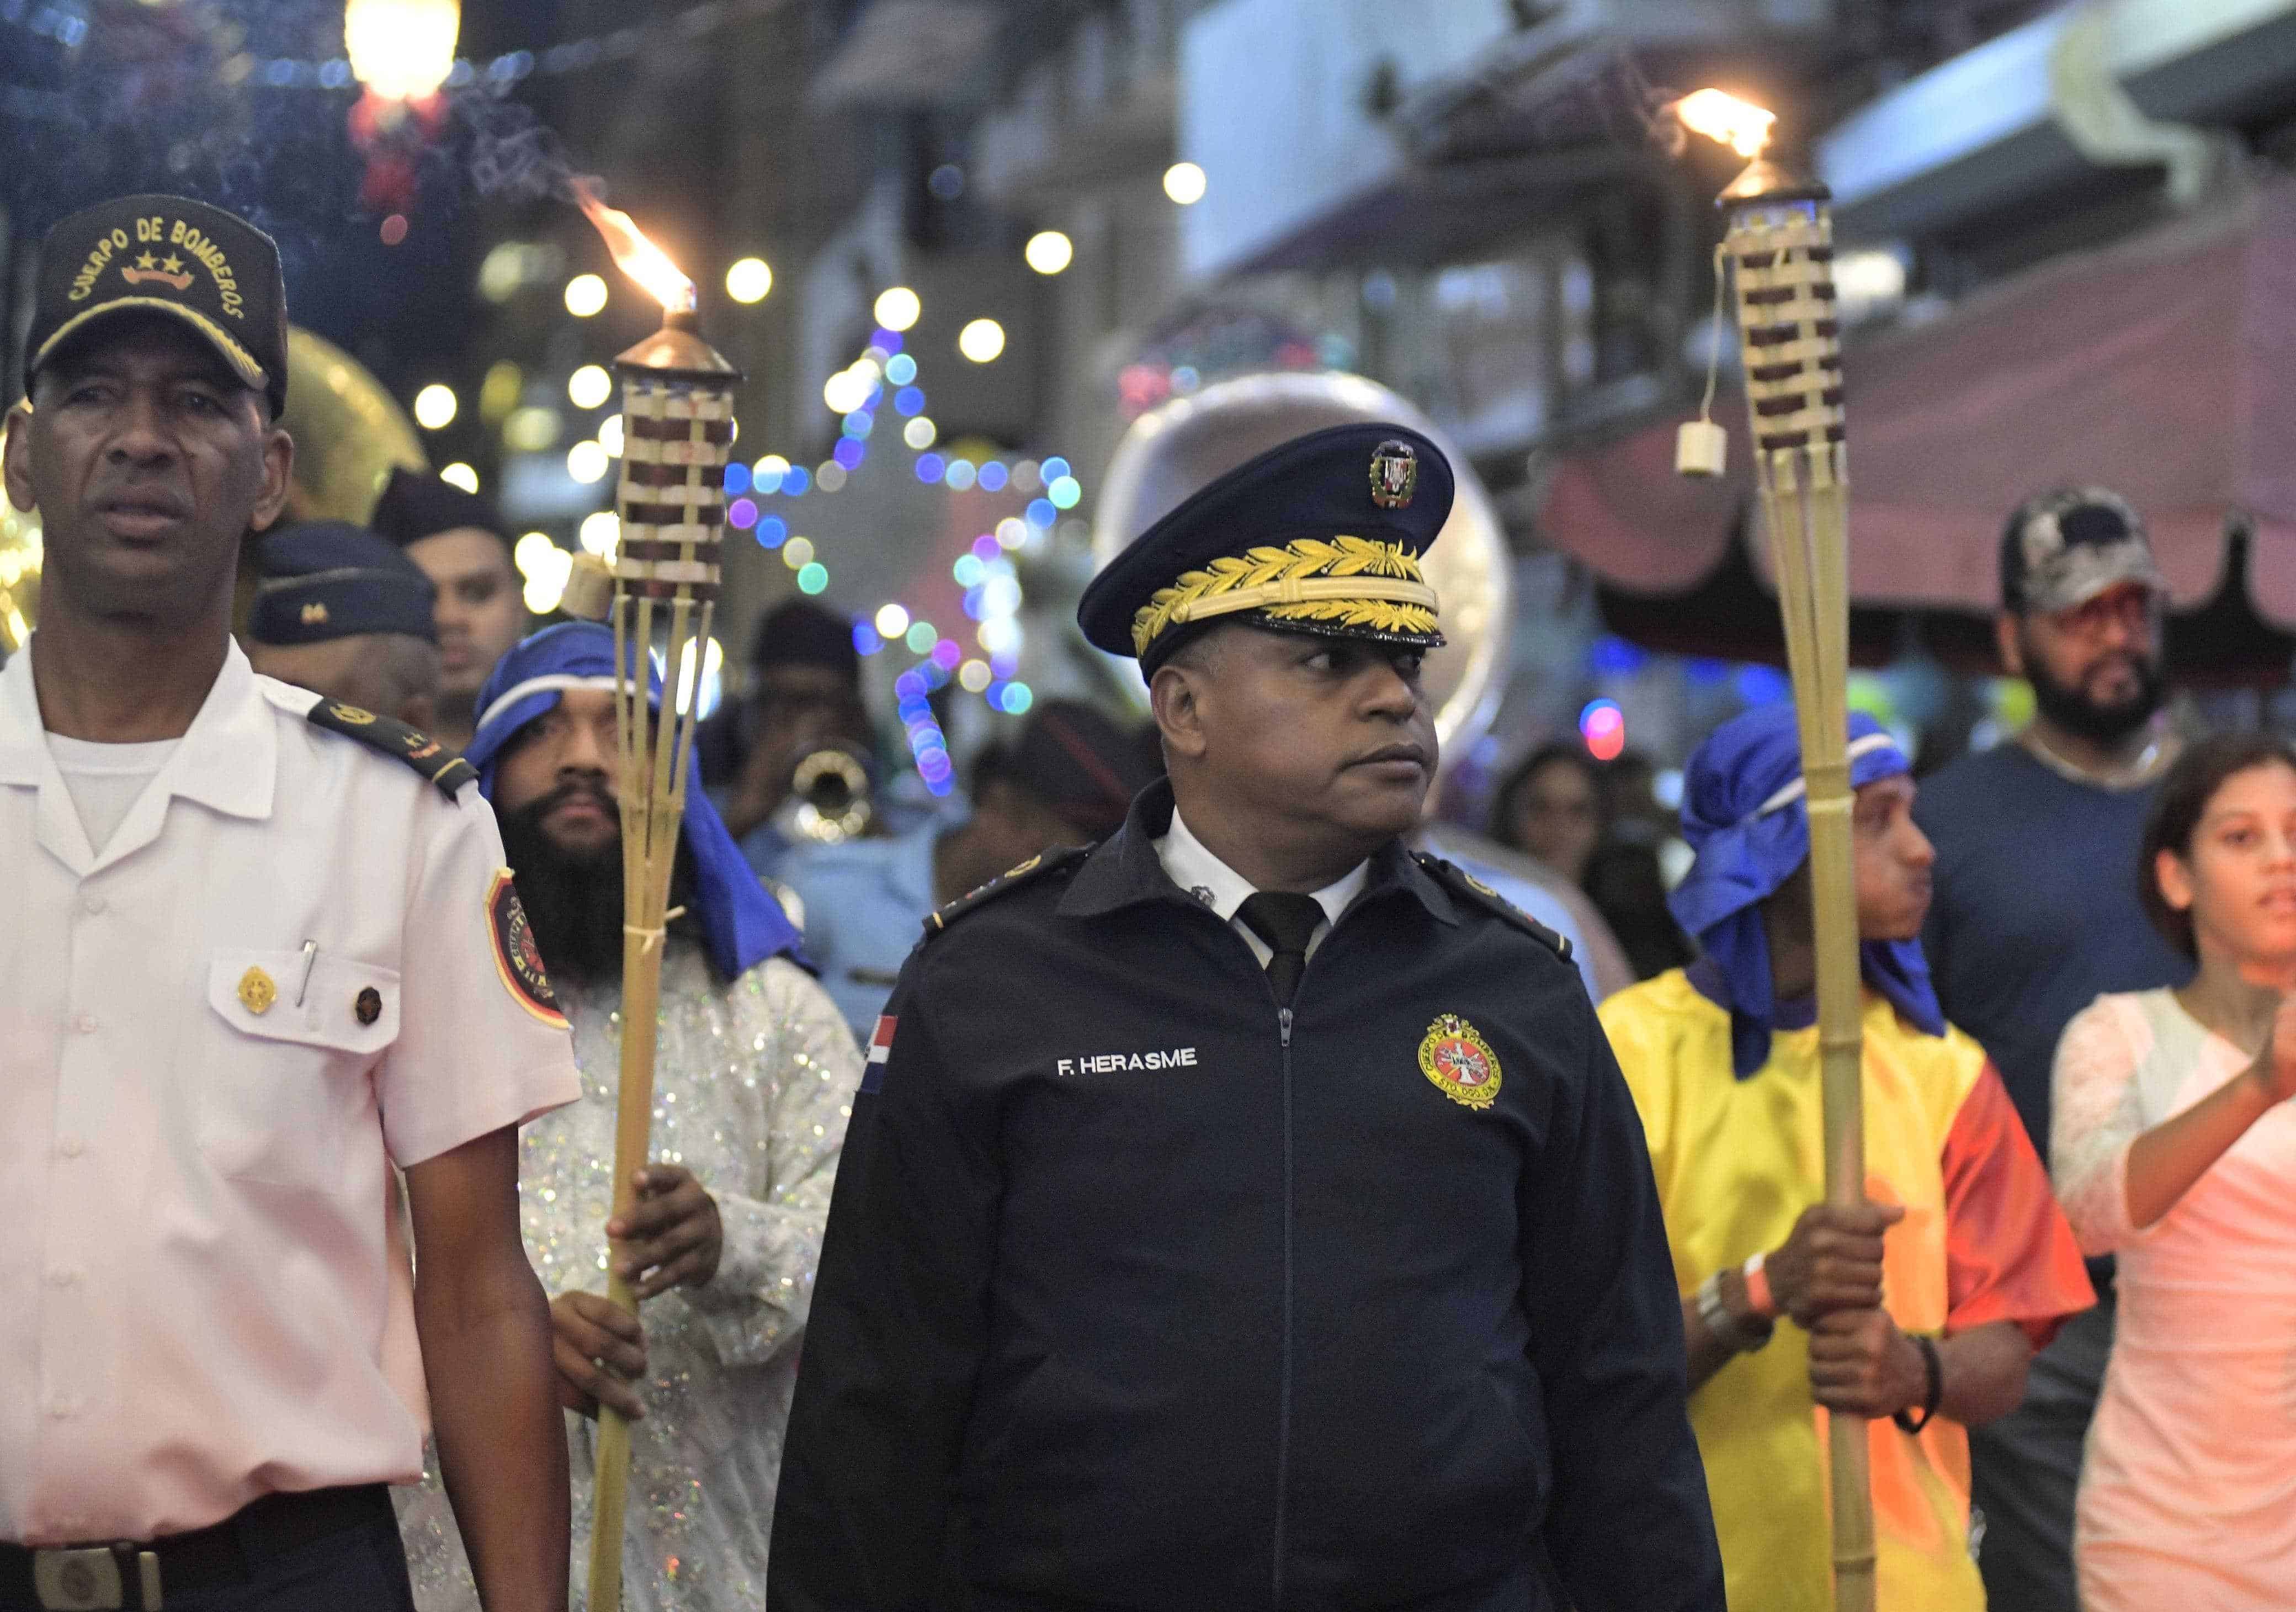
(1191, 866)
(105, 779)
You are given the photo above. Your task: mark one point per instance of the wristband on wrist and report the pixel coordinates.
(1932, 1393)
(1714, 1314)
(1757, 1289)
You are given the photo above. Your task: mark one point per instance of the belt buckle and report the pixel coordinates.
(90, 1579)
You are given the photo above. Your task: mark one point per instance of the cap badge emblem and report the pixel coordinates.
(350, 714)
(1459, 1062)
(1394, 474)
(257, 992)
(150, 268)
(314, 614)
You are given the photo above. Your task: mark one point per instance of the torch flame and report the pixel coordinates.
(1739, 125)
(635, 256)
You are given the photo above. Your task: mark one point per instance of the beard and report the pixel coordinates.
(2068, 706)
(573, 899)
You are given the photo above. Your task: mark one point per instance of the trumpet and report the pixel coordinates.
(830, 800)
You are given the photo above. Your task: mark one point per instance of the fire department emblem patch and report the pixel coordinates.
(1460, 1063)
(517, 958)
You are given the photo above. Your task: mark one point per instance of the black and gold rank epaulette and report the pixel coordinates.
(1004, 883)
(1458, 880)
(441, 764)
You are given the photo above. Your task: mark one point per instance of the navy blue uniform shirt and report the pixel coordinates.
(1139, 1291)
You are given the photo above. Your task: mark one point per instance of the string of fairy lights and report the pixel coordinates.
(880, 400)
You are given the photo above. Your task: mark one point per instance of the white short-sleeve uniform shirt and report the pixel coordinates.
(198, 1300)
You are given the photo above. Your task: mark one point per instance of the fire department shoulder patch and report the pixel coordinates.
(517, 958)
(1460, 1063)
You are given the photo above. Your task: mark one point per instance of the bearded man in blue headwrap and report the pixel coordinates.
(1918, 1309)
(754, 1077)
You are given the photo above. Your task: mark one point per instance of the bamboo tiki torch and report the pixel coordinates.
(678, 431)
(1779, 247)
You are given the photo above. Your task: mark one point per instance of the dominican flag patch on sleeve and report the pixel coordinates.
(880, 1050)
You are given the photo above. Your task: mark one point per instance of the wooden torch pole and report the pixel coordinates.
(678, 419)
(1780, 244)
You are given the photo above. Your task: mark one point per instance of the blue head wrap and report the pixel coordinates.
(1742, 813)
(742, 924)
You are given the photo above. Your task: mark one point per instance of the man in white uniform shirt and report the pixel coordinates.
(262, 948)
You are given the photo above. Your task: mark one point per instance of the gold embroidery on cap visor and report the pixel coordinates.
(1342, 581)
(241, 361)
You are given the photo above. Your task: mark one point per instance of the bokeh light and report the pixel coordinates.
(920, 433)
(600, 532)
(920, 638)
(459, 475)
(772, 531)
(589, 386)
(748, 279)
(797, 553)
(981, 340)
(1064, 492)
(973, 675)
(929, 467)
(742, 513)
(766, 474)
(900, 369)
(434, 406)
(586, 294)
(1184, 182)
(959, 474)
(892, 620)
(1049, 252)
(610, 435)
(1603, 727)
(897, 308)
(586, 462)
(812, 578)
(993, 476)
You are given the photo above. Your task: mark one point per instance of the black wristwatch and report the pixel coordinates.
(1934, 1369)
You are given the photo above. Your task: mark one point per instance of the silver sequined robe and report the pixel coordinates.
(753, 1084)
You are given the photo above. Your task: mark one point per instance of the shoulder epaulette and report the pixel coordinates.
(442, 765)
(1458, 880)
(1004, 883)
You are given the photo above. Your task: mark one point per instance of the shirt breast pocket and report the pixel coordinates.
(288, 1081)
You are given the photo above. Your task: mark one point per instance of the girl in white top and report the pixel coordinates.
(2175, 1147)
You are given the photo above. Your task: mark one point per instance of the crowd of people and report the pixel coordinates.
(1247, 1192)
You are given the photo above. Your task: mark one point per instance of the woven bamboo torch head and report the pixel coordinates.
(677, 434)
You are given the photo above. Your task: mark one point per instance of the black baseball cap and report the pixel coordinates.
(417, 504)
(168, 254)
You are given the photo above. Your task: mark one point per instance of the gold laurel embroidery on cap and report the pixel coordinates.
(314, 614)
(257, 992)
(1460, 1063)
(1301, 560)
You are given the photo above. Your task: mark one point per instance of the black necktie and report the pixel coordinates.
(1285, 922)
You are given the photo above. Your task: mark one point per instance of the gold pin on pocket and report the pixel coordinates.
(257, 992)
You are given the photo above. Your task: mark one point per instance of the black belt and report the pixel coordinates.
(142, 1577)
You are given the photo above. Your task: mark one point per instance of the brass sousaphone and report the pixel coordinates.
(1173, 451)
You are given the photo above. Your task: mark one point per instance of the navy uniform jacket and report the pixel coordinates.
(1139, 1292)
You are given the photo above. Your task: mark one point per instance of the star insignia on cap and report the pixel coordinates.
(174, 265)
(147, 261)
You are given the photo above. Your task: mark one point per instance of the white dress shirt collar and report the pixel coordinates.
(1191, 866)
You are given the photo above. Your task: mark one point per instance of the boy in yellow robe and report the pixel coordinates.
(1920, 1309)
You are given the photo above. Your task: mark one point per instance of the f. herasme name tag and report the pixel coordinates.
(1113, 1062)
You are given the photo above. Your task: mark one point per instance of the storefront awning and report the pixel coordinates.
(2164, 366)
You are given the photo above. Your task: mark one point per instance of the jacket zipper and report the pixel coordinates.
(1283, 1402)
